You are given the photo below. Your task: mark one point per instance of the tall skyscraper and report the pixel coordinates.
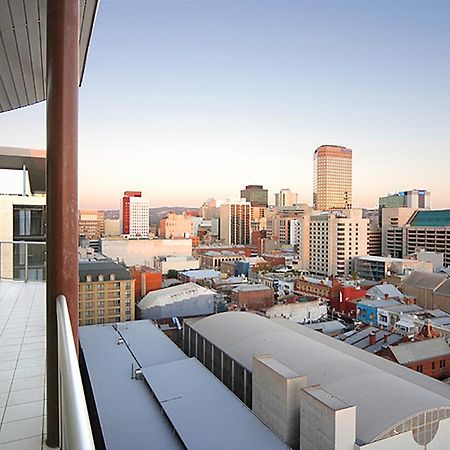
(235, 219)
(256, 195)
(134, 215)
(332, 185)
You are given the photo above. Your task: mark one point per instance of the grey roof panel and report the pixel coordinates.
(204, 412)
(424, 280)
(122, 403)
(411, 352)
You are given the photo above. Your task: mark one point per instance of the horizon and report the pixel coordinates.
(202, 98)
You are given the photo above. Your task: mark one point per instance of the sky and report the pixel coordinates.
(187, 100)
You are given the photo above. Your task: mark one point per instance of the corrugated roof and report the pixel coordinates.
(201, 274)
(431, 218)
(381, 290)
(424, 280)
(411, 352)
(173, 294)
(251, 287)
(330, 363)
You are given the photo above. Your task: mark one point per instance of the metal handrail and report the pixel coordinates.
(76, 432)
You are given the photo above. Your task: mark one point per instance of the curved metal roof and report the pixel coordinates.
(23, 35)
(327, 362)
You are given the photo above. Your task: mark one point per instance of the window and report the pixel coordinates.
(100, 286)
(432, 366)
(419, 368)
(442, 364)
(112, 276)
(101, 277)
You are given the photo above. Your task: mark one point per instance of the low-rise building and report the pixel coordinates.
(253, 296)
(324, 288)
(106, 292)
(378, 267)
(185, 300)
(384, 291)
(178, 263)
(146, 279)
(430, 357)
(389, 316)
(213, 259)
(367, 309)
(299, 311)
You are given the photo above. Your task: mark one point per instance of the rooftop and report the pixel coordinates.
(177, 404)
(411, 352)
(242, 335)
(431, 218)
(22, 365)
(424, 280)
(104, 267)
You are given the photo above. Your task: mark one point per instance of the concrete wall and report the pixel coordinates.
(326, 423)
(275, 397)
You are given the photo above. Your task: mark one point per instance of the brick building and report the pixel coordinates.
(253, 296)
(146, 280)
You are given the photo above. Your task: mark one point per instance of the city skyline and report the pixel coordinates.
(240, 93)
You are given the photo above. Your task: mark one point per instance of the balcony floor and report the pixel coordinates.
(22, 365)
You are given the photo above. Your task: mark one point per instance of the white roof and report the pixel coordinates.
(333, 365)
(173, 294)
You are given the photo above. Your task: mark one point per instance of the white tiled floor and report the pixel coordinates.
(22, 365)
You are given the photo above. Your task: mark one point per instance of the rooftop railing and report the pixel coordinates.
(76, 432)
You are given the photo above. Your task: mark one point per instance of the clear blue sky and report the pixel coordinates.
(191, 99)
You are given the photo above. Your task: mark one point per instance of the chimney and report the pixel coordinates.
(372, 338)
(385, 337)
(386, 296)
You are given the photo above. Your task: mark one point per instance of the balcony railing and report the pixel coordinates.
(22, 260)
(76, 432)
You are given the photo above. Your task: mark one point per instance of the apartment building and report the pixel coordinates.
(235, 220)
(106, 292)
(335, 239)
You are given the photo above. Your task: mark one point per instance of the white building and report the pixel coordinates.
(139, 217)
(235, 220)
(335, 238)
(179, 263)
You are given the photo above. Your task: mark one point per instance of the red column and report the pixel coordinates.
(62, 185)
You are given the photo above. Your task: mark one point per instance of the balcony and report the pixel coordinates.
(22, 365)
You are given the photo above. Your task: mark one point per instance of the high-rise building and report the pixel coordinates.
(134, 215)
(332, 184)
(256, 195)
(91, 224)
(235, 220)
(335, 238)
(286, 198)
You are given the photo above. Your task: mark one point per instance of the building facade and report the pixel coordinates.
(91, 224)
(256, 195)
(134, 215)
(175, 226)
(335, 239)
(235, 220)
(286, 198)
(332, 178)
(106, 292)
